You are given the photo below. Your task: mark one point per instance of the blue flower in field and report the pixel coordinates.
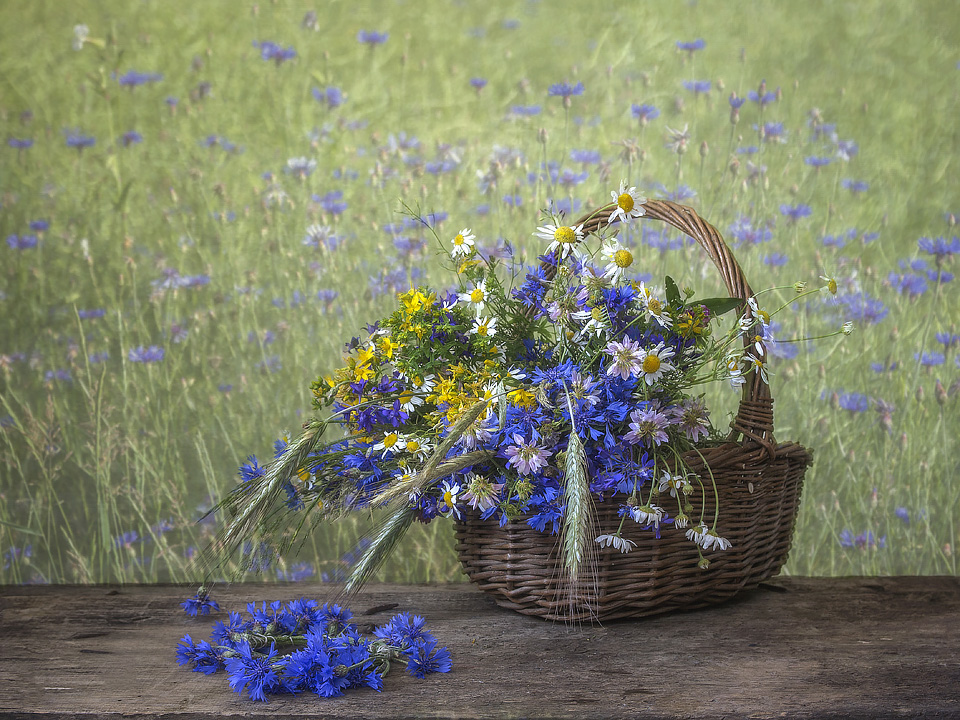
(586, 157)
(939, 276)
(57, 375)
(908, 283)
(948, 340)
(270, 365)
(846, 149)
(478, 83)
(298, 572)
(524, 110)
(565, 91)
(855, 186)
(126, 539)
(39, 225)
(141, 354)
(300, 167)
(200, 604)
(698, 87)
(930, 359)
(736, 102)
(644, 113)
(940, 247)
(903, 514)
(817, 161)
(133, 78)
(372, 37)
(691, 46)
(22, 242)
(864, 541)
(772, 132)
(272, 51)
(861, 308)
(97, 358)
(514, 201)
(775, 259)
(331, 202)
(16, 554)
(884, 367)
(76, 139)
(795, 212)
(743, 231)
(333, 97)
(171, 101)
(20, 143)
(837, 241)
(748, 150)
(854, 402)
(131, 137)
(762, 99)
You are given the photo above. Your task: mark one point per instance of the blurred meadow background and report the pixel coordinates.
(201, 202)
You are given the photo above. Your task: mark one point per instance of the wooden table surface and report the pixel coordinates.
(796, 647)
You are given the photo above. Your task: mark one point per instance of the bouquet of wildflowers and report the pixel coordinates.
(524, 396)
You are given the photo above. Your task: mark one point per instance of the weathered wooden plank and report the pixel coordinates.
(797, 647)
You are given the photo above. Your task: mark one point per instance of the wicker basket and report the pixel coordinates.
(758, 483)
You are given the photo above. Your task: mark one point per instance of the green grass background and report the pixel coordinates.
(124, 447)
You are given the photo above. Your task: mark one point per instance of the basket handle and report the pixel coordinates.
(754, 419)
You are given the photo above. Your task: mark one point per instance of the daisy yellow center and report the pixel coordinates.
(832, 286)
(413, 446)
(476, 296)
(565, 235)
(625, 202)
(764, 316)
(448, 498)
(623, 258)
(651, 363)
(390, 440)
(596, 313)
(654, 307)
(458, 240)
(482, 329)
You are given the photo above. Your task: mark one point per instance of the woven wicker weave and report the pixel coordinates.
(758, 483)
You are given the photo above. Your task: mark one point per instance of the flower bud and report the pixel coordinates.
(799, 286)
(847, 328)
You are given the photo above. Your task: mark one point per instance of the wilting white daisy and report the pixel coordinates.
(485, 326)
(463, 243)
(712, 541)
(675, 484)
(644, 514)
(697, 533)
(629, 204)
(477, 297)
(757, 364)
(759, 314)
(653, 363)
(615, 541)
(618, 260)
(563, 238)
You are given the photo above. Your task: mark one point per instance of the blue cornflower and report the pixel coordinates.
(298, 572)
(692, 45)
(698, 87)
(22, 242)
(817, 161)
(948, 340)
(131, 137)
(940, 247)
(861, 308)
(142, 354)
(253, 672)
(795, 212)
(586, 157)
(846, 149)
(939, 276)
(332, 96)
(736, 102)
(908, 283)
(39, 226)
(61, 374)
(903, 514)
(854, 402)
(271, 51)
(203, 656)
(133, 78)
(772, 132)
(855, 186)
(762, 98)
(930, 359)
(75, 139)
(775, 259)
(743, 230)
(372, 37)
(126, 539)
(644, 113)
(428, 658)
(200, 604)
(478, 83)
(565, 90)
(251, 469)
(525, 110)
(20, 143)
(865, 540)
(402, 630)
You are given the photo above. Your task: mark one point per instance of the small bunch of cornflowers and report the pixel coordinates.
(301, 646)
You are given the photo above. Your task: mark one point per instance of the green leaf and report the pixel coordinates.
(673, 292)
(122, 197)
(721, 305)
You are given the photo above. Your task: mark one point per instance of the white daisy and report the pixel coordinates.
(757, 364)
(629, 204)
(484, 326)
(391, 443)
(620, 543)
(463, 243)
(477, 297)
(563, 238)
(618, 260)
(653, 363)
